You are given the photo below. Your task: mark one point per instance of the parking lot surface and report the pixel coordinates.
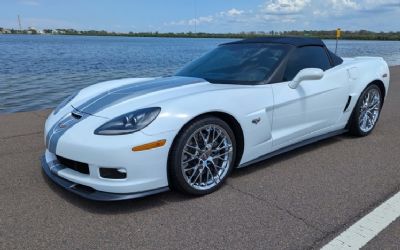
(298, 200)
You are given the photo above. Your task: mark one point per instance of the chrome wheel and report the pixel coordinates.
(206, 157)
(369, 110)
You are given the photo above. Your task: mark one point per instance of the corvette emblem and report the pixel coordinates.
(62, 125)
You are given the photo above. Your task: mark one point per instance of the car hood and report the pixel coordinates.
(108, 99)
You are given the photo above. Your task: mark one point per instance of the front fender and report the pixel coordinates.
(251, 106)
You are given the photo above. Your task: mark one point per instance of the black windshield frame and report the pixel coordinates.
(273, 65)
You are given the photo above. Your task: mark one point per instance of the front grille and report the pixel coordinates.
(74, 165)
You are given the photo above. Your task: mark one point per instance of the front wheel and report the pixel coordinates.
(367, 111)
(202, 156)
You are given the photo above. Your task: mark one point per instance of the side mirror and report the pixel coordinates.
(306, 74)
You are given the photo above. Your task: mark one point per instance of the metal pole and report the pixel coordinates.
(338, 34)
(195, 16)
(336, 45)
(19, 22)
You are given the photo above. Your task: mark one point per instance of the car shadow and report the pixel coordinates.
(288, 155)
(117, 207)
(161, 199)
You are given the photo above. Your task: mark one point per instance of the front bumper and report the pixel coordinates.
(50, 168)
(146, 171)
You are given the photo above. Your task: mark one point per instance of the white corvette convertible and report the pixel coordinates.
(241, 103)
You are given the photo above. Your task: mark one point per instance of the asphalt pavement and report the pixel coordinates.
(298, 200)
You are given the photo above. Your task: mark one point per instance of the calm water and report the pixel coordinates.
(37, 72)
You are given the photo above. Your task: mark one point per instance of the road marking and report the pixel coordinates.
(364, 230)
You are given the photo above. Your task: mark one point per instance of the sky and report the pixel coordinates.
(215, 16)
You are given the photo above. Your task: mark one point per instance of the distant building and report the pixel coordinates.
(5, 31)
(32, 30)
(47, 31)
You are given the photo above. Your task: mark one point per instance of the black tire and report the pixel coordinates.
(354, 122)
(175, 173)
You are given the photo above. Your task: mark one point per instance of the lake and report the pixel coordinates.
(38, 72)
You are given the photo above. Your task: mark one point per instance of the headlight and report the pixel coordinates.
(65, 102)
(129, 123)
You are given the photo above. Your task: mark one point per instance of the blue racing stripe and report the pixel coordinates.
(127, 92)
(55, 166)
(110, 98)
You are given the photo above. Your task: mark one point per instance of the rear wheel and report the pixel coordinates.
(202, 156)
(367, 111)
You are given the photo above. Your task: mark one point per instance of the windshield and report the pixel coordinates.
(237, 63)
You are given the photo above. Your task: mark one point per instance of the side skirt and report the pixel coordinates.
(293, 146)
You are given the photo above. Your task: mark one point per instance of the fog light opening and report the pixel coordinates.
(113, 173)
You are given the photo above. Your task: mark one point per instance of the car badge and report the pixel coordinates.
(62, 125)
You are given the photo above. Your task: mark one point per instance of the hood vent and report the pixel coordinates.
(75, 114)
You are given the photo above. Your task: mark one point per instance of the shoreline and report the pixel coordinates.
(215, 36)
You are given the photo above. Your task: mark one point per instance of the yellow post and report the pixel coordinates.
(338, 33)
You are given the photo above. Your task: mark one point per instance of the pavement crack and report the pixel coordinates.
(20, 135)
(293, 215)
(20, 152)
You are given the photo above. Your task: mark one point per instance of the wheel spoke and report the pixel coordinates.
(216, 138)
(196, 167)
(190, 168)
(211, 175)
(203, 138)
(216, 156)
(201, 176)
(187, 152)
(191, 159)
(375, 106)
(364, 122)
(195, 141)
(193, 147)
(224, 147)
(208, 134)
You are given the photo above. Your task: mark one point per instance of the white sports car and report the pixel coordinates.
(241, 103)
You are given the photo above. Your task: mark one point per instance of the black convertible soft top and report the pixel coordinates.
(295, 41)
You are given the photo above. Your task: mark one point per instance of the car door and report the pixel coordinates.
(315, 106)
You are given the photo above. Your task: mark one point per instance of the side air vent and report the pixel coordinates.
(347, 104)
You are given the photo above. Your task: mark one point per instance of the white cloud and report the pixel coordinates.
(299, 14)
(191, 22)
(201, 20)
(374, 4)
(232, 12)
(363, 5)
(344, 4)
(320, 13)
(284, 7)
